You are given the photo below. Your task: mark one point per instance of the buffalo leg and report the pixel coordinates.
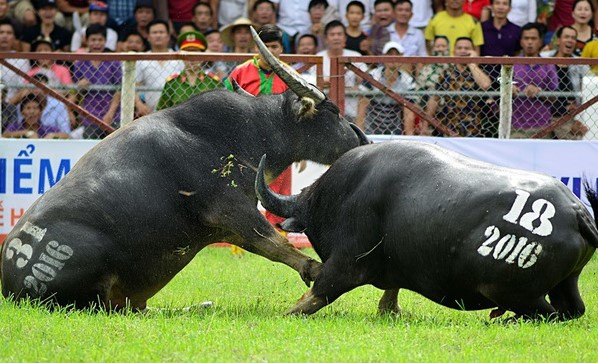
(257, 235)
(335, 278)
(536, 309)
(566, 299)
(389, 302)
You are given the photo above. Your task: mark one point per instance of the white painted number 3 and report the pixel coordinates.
(542, 211)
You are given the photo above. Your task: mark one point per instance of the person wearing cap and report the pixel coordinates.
(237, 36)
(61, 37)
(256, 77)
(98, 14)
(461, 113)
(380, 114)
(152, 74)
(193, 79)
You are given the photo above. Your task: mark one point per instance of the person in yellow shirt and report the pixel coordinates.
(453, 23)
(591, 51)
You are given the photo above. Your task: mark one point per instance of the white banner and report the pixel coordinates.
(30, 167)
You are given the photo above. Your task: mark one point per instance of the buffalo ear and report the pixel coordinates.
(305, 108)
(291, 225)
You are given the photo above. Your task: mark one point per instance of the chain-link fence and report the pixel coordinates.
(396, 96)
(81, 95)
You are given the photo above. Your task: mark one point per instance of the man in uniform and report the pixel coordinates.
(193, 79)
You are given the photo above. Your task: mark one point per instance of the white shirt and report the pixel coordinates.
(422, 13)
(522, 12)
(293, 16)
(231, 10)
(153, 74)
(111, 39)
(414, 41)
(10, 79)
(350, 78)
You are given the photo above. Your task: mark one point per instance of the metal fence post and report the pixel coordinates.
(506, 101)
(127, 99)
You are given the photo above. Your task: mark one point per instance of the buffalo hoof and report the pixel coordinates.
(310, 270)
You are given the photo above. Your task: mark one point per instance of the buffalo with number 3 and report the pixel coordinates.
(466, 234)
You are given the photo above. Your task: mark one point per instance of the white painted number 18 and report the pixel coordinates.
(542, 210)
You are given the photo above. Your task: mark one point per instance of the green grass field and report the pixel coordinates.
(246, 324)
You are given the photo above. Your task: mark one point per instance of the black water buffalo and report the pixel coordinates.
(463, 233)
(142, 203)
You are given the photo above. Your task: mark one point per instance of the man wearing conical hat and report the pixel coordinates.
(193, 79)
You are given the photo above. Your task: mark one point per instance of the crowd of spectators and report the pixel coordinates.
(324, 27)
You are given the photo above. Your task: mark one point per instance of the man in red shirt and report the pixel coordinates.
(256, 77)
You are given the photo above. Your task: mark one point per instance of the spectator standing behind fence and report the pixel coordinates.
(461, 112)
(98, 14)
(570, 79)
(355, 35)
(143, 14)
(23, 11)
(102, 103)
(428, 78)
(307, 45)
(454, 23)
(501, 38)
(562, 14)
(152, 74)
(320, 14)
(18, 27)
(532, 111)
(192, 80)
(9, 79)
(264, 12)
(380, 114)
(202, 18)
(583, 16)
(383, 17)
(215, 45)
(237, 36)
(342, 8)
(55, 76)
(335, 38)
(31, 108)
(409, 37)
(61, 37)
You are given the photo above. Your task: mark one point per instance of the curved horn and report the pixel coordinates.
(281, 205)
(238, 89)
(297, 84)
(363, 140)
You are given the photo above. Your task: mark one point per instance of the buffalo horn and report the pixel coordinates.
(238, 89)
(281, 205)
(297, 84)
(363, 140)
